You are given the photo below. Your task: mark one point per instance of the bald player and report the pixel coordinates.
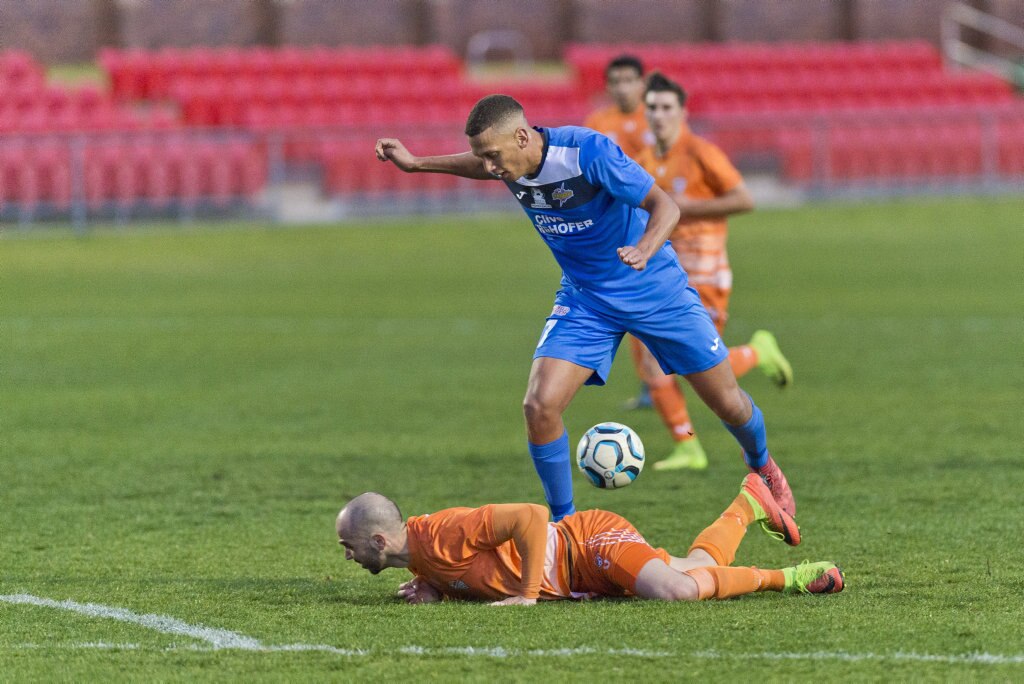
(606, 223)
(509, 554)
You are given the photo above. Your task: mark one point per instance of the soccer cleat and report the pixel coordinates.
(823, 577)
(770, 359)
(641, 400)
(687, 455)
(778, 485)
(773, 520)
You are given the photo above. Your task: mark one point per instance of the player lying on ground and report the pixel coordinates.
(607, 224)
(511, 555)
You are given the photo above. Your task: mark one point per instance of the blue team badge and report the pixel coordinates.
(562, 194)
(538, 200)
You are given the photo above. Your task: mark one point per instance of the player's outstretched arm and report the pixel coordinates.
(663, 220)
(464, 164)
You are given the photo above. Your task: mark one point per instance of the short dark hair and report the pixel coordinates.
(625, 61)
(659, 83)
(489, 111)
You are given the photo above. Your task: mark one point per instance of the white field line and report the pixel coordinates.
(218, 638)
(221, 639)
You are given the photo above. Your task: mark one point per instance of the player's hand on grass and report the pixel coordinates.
(392, 149)
(633, 257)
(515, 601)
(417, 591)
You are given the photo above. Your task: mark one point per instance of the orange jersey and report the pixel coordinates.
(473, 553)
(700, 170)
(628, 131)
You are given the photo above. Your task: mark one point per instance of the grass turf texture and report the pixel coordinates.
(183, 412)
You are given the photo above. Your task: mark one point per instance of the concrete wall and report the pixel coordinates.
(71, 30)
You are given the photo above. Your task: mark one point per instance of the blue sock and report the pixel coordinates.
(552, 463)
(752, 437)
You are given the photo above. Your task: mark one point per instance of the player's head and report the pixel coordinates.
(624, 81)
(500, 136)
(371, 530)
(665, 103)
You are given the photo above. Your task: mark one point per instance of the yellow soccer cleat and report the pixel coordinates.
(823, 577)
(687, 455)
(770, 359)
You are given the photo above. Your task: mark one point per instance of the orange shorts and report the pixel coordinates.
(608, 553)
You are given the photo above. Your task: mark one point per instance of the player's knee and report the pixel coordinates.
(675, 590)
(537, 411)
(658, 581)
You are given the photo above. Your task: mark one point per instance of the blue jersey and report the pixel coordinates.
(584, 202)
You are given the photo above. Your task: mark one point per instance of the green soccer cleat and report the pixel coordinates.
(770, 359)
(773, 520)
(687, 455)
(823, 577)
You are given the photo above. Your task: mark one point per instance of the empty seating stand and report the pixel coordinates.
(838, 113)
(192, 127)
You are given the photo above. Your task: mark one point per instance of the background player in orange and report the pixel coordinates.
(510, 554)
(707, 188)
(625, 123)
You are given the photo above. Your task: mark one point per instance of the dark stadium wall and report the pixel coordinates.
(72, 30)
(52, 30)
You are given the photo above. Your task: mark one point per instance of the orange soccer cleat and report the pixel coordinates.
(767, 511)
(776, 481)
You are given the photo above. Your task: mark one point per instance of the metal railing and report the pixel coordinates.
(957, 52)
(331, 173)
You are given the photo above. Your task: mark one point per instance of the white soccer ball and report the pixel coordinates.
(611, 455)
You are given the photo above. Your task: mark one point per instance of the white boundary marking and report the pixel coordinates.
(222, 639)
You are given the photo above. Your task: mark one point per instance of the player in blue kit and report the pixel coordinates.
(607, 224)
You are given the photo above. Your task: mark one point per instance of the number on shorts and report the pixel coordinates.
(547, 331)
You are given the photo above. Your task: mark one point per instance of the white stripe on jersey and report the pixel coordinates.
(561, 163)
(614, 536)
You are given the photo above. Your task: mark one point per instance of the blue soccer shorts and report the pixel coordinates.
(680, 335)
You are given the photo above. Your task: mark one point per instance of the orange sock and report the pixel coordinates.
(671, 405)
(774, 580)
(721, 538)
(742, 359)
(723, 583)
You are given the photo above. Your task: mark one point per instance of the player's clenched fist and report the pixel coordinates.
(633, 257)
(392, 149)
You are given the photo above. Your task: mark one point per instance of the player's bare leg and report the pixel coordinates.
(717, 387)
(657, 580)
(552, 385)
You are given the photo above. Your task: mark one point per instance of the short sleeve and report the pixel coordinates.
(719, 173)
(607, 166)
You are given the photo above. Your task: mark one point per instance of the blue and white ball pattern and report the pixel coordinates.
(611, 455)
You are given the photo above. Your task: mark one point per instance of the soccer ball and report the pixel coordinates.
(611, 455)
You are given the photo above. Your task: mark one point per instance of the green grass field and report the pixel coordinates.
(184, 410)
